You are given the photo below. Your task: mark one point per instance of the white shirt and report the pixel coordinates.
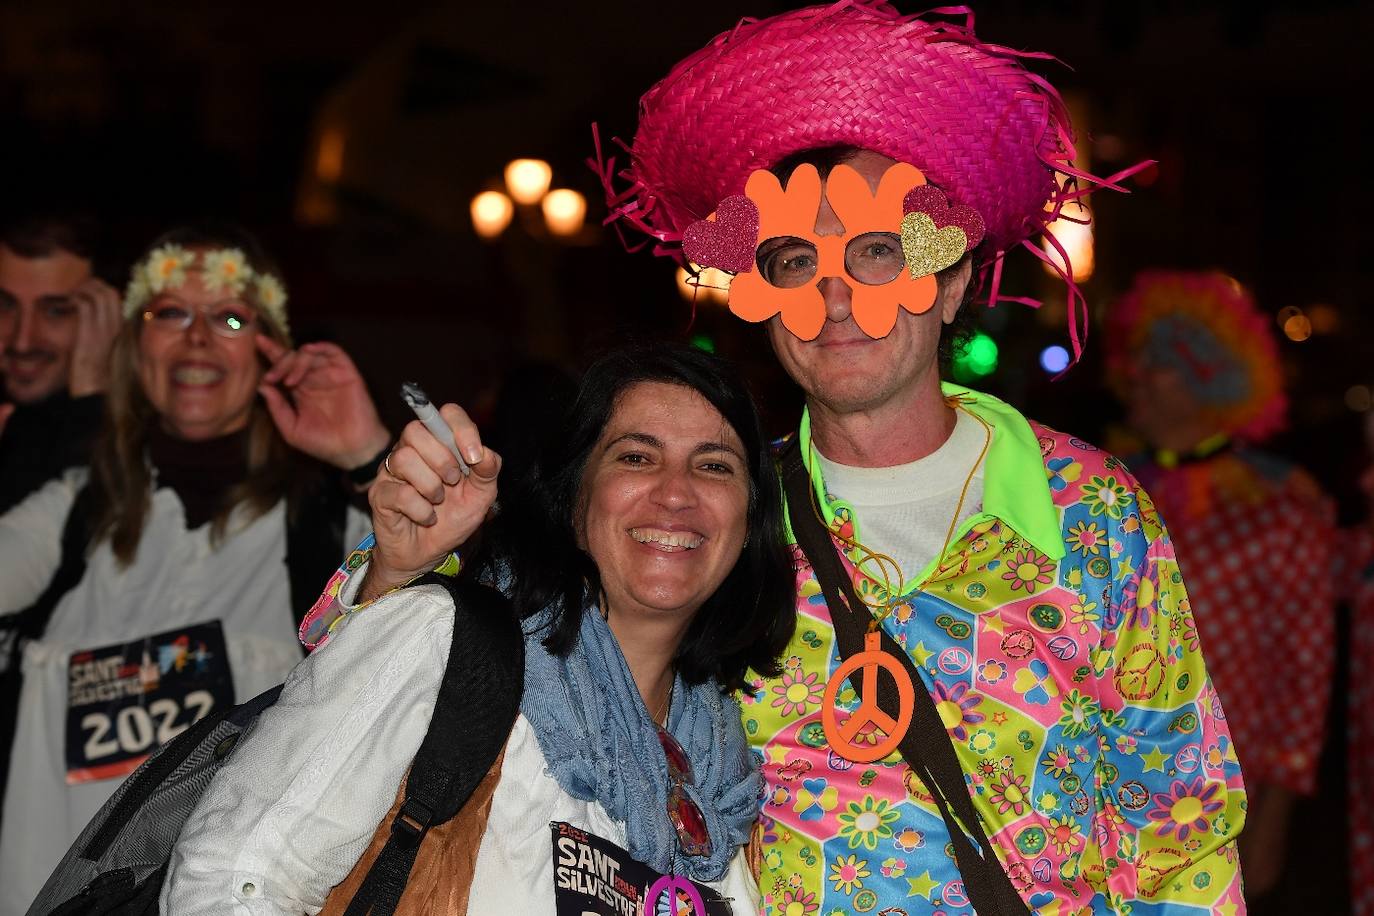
(178, 579)
(298, 803)
(905, 511)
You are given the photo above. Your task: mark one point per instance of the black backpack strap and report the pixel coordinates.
(925, 746)
(18, 629)
(478, 701)
(314, 542)
(32, 622)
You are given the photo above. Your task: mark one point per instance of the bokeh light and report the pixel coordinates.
(1054, 359)
(1298, 328)
(528, 180)
(1288, 311)
(1325, 318)
(1075, 236)
(711, 285)
(703, 342)
(564, 211)
(978, 359)
(491, 213)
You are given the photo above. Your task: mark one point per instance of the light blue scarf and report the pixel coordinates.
(600, 744)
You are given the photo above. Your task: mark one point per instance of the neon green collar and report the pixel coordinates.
(1015, 486)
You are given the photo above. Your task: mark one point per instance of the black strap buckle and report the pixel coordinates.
(411, 823)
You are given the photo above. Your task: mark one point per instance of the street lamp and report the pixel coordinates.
(562, 212)
(528, 180)
(491, 213)
(711, 285)
(1074, 232)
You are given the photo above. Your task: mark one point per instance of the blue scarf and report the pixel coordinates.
(601, 745)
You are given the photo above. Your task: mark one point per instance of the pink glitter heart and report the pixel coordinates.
(931, 201)
(728, 242)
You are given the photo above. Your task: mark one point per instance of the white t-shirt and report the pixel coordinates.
(298, 803)
(905, 511)
(238, 589)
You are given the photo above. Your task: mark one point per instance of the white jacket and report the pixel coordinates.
(177, 580)
(298, 803)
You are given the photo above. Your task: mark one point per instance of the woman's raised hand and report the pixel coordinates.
(423, 507)
(328, 415)
(98, 318)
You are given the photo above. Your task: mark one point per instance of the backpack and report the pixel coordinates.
(314, 544)
(117, 865)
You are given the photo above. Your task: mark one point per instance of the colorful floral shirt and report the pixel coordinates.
(1056, 639)
(1254, 535)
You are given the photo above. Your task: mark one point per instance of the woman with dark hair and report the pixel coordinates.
(646, 559)
(125, 582)
(736, 620)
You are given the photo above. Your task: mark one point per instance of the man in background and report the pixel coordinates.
(57, 323)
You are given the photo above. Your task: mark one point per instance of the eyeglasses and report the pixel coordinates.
(687, 818)
(229, 320)
(872, 259)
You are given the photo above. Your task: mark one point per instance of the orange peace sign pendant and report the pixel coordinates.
(841, 737)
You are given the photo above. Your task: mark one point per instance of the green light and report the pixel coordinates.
(979, 358)
(702, 342)
(982, 354)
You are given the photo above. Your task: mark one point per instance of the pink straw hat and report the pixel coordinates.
(981, 126)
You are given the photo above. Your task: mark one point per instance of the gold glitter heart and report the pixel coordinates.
(929, 250)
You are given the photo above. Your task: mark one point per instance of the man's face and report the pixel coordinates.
(37, 322)
(843, 368)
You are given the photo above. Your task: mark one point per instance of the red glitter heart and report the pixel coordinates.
(931, 201)
(727, 242)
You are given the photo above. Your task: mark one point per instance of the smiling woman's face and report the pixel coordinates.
(664, 501)
(201, 384)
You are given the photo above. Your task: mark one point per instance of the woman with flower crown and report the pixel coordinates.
(130, 574)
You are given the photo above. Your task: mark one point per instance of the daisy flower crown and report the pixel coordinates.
(222, 270)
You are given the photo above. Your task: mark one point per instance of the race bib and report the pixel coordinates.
(125, 700)
(595, 877)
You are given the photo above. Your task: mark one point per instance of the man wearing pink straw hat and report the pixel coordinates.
(860, 174)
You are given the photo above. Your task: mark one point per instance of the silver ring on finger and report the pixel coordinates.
(386, 463)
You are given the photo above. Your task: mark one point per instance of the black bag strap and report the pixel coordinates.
(925, 746)
(32, 622)
(19, 628)
(478, 701)
(314, 542)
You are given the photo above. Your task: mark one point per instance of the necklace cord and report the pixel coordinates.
(883, 561)
(662, 717)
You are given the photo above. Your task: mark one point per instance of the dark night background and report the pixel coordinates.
(149, 113)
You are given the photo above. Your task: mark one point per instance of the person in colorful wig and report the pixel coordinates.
(222, 450)
(1195, 361)
(862, 174)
